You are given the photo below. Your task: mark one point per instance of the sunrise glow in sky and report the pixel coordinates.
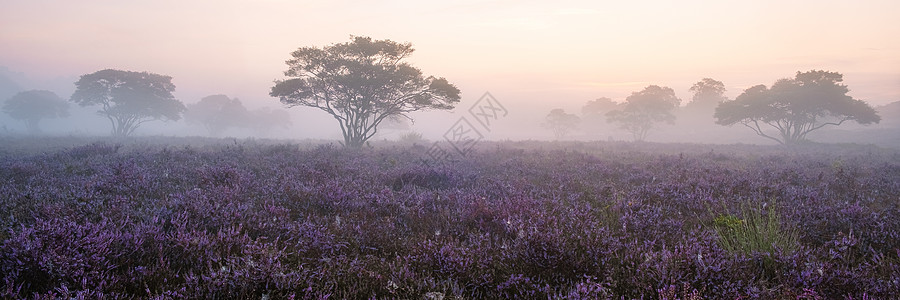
(540, 54)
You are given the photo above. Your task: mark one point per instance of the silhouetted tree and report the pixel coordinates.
(561, 122)
(642, 110)
(708, 93)
(360, 84)
(128, 99)
(796, 106)
(33, 106)
(217, 113)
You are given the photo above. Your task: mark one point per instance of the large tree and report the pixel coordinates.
(643, 110)
(128, 99)
(794, 107)
(561, 122)
(361, 83)
(33, 106)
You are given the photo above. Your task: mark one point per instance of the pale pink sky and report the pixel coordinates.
(536, 54)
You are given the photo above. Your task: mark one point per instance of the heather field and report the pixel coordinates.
(218, 219)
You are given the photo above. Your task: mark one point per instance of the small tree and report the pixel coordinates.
(217, 113)
(128, 99)
(795, 107)
(360, 84)
(561, 123)
(642, 110)
(33, 106)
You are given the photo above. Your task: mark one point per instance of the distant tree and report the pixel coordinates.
(796, 106)
(642, 110)
(128, 99)
(708, 93)
(397, 123)
(8, 86)
(33, 106)
(890, 114)
(561, 122)
(265, 119)
(593, 115)
(598, 108)
(361, 83)
(217, 113)
(412, 138)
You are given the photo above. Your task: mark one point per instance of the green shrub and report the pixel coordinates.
(760, 231)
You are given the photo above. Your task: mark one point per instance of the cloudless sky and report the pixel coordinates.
(538, 54)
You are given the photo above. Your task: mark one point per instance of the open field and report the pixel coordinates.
(188, 218)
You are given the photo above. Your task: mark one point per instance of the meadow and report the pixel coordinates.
(148, 218)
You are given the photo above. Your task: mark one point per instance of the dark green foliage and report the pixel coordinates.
(759, 231)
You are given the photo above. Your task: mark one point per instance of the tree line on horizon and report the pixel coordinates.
(364, 82)
(129, 99)
(785, 113)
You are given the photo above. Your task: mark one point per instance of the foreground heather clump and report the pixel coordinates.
(248, 220)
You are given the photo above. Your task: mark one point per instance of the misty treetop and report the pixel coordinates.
(128, 99)
(34, 105)
(794, 107)
(593, 116)
(708, 93)
(599, 107)
(216, 113)
(361, 83)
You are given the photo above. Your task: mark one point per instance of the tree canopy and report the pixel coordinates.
(643, 110)
(561, 122)
(217, 113)
(593, 116)
(598, 107)
(128, 99)
(361, 83)
(794, 107)
(33, 106)
(265, 119)
(708, 93)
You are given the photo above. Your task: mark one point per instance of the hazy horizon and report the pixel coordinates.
(532, 56)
